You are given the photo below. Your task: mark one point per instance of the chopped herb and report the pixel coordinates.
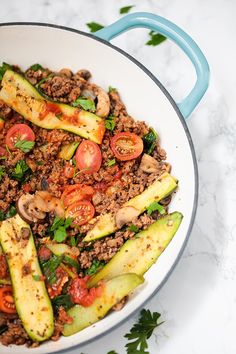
(74, 241)
(112, 89)
(155, 38)
(2, 172)
(36, 67)
(149, 141)
(37, 277)
(24, 145)
(110, 123)
(20, 170)
(133, 228)
(62, 300)
(125, 9)
(39, 163)
(142, 331)
(156, 206)
(94, 26)
(86, 103)
(58, 115)
(49, 268)
(94, 267)
(11, 212)
(111, 162)
(2, 215)
(3, 69)
(71, 262)
(59, 227)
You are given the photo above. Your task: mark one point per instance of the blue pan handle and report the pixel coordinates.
(182, 39)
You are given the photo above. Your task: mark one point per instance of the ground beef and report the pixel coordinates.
(4, 273)
(15, 334)
(5, 111)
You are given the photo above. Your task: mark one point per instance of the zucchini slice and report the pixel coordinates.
(113, 291)
(32, 302)
(161, 188)
(68, 150)
(21, 96)
(139, 254)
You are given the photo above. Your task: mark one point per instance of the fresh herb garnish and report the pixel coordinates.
(20, 170)
(155, 38)
(142, 331)
(94, 267)
(2, 172)
(24, 145)
(112, 89)
(37, 277)
(49, 268)
(111, 162)
(149, 141)
(71, 262)
(62, 300)
(94, 26)
(74, 241)
(112, 352)
(39, 163)
(125, 9)
(110, 123)
(86, 103)
(156, 206)
(133, 228)
(59, 227)
(3, 69)
(9, 214)
(36, 67)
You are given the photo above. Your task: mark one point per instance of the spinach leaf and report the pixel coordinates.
(62, 300)
(149, 141)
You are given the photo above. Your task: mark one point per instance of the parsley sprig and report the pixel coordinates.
(85, 103)
(155, 206)
(141, 332)
(24, 145)
(2, 172)
(20, 170)
(59, 228)
(110, 123)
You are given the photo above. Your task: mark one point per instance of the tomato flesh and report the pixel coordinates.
(81, 295)
(76, 193)
(126, 146)
(81, 212)
(88, 157)
(7, 303)
(19, 132)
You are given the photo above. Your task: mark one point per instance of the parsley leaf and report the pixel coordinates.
(155, 38)
(24, 145)
(94, 267)
(111, 162)
(112, 89)
(59, 227)
(36, 67)
(125, 9)
(20, 170)
(156, 206)
(2, 172)
(142, 331)
(37, 277)
(86, 103)
(133, 228)
(149, 141)
(94, 26)
(110, 123)
(3, 69)
(49, 268)
(74, 241)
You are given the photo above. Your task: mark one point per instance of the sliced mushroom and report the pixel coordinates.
(125, 215)
(26, 210)
(50, 203)
(149, 164)
(103, 101)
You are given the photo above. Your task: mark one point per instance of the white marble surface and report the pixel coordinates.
(198, 303)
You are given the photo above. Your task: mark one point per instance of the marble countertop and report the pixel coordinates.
(198, 302)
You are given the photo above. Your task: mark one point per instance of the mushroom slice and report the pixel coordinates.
(34, 210)
(24, 211)
(125, 215)
(103, 101)
(149, 164)
(50, 203)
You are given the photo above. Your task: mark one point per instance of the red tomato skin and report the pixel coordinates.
(81, 295)
(76, 193)
(6, 305)
(81, 212)
(88, 157)
(69, 171)
(19, 132)
(137, 146)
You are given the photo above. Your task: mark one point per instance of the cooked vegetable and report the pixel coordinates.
(155, 206)
(148, 164)
(75, 193)
(126, 214)
(63, 249)
(3, 68)
(7, 303)
(68, 150)
(20, 95)
(2, 172)
(49, 268)
(28, 210)
(81, 212)
(86, 103)
(88, 157)
(126, 146)
(149, 141)
(139, 254)
(20, 136)
(113, 291)
(30, 296)
(106, 223)
(62, 300)
(2, 123)
(110, 123)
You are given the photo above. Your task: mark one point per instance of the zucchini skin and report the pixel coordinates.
(160, 189)
(137, 255)
(21, 96)
(31, 299)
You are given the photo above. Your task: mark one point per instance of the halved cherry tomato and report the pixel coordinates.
(3, 151)
(76, 193)
(7, 303)
(126, 146)
(69, 171)
(88, 157)
(19, 132)
(81, 212)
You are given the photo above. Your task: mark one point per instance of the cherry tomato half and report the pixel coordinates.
(19, 132)
(76, 193)
(81, 212)
(7, 304)
(88, 157)
(126, 146)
